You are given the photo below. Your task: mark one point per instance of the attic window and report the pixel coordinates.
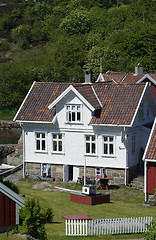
(73, 113)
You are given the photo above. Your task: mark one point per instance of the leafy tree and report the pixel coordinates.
(76, 22)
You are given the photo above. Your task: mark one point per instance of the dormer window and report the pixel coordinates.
(73, 113)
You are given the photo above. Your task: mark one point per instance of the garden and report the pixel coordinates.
(125, 202)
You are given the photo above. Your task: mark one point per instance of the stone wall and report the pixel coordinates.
(57, 171)
(32, 169)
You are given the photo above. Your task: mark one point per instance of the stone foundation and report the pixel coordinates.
(34, 169)
(57, 171)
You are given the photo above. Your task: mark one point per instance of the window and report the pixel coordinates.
(100, 172)
(141, 111)
(73, 113)
(40, 141)
(57, 142)
(90, 144)
(108, 145)
(133, 144)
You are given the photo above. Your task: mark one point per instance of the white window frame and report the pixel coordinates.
(99, 171)
(91, 142)
(71, 111)
(133, 144)
(41, 139)
(57, 140)
(108, 143)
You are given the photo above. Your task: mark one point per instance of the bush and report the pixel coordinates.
(32, 218)
(151, 231)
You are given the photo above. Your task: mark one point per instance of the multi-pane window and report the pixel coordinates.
(57, 142)
(90, 144)
(40, 141)
(73, 113)
(108, 145)
(133, 144)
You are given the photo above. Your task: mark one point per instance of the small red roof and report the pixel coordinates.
(80, 216)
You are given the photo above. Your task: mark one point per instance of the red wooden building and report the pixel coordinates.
(10, 203)
(150, 164)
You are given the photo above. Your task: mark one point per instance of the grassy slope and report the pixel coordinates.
(125, 202)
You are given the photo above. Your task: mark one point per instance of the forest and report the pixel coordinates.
(56, 40)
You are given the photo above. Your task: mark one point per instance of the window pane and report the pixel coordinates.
(111, 139)
(54, 146)
(93, 138)
(43, 144)
(87, 148)
(60, 146)
(73, 108)
(93, 147)
(73, 116)
(60, 136)
(38, 144)
(105, 139)
(54, 136)
(68, 107)
(78, 116)
(78, 108)
(87, 138)
(43, 135)
(38, 135)
(69, 117)
(111, 149)
(105, 149)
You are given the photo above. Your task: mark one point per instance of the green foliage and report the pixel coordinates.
(151, 231)
(32, 219)
(57, 39)
(76, 22)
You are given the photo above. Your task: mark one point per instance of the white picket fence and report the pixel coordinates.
(107, 226)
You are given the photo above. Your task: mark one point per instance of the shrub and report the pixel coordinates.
(32, 218)
(151, 231)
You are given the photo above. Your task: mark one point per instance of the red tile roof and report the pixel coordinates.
(121, 77)
(119, 101)
(151, 148)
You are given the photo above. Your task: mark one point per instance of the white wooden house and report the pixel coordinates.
(68, 125)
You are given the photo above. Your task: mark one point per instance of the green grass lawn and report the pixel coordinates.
(125, 202)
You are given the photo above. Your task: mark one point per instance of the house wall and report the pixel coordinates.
(7, 211)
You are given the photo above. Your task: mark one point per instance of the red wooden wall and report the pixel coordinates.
(151, 177)
(7, 211)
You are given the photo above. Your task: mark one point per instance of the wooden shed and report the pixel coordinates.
(10, 203)
(150, 163)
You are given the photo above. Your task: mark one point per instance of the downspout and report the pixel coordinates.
(23, 153)
(125, 140)
(145, 180)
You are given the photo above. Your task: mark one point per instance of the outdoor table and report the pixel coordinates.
(103, 181)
